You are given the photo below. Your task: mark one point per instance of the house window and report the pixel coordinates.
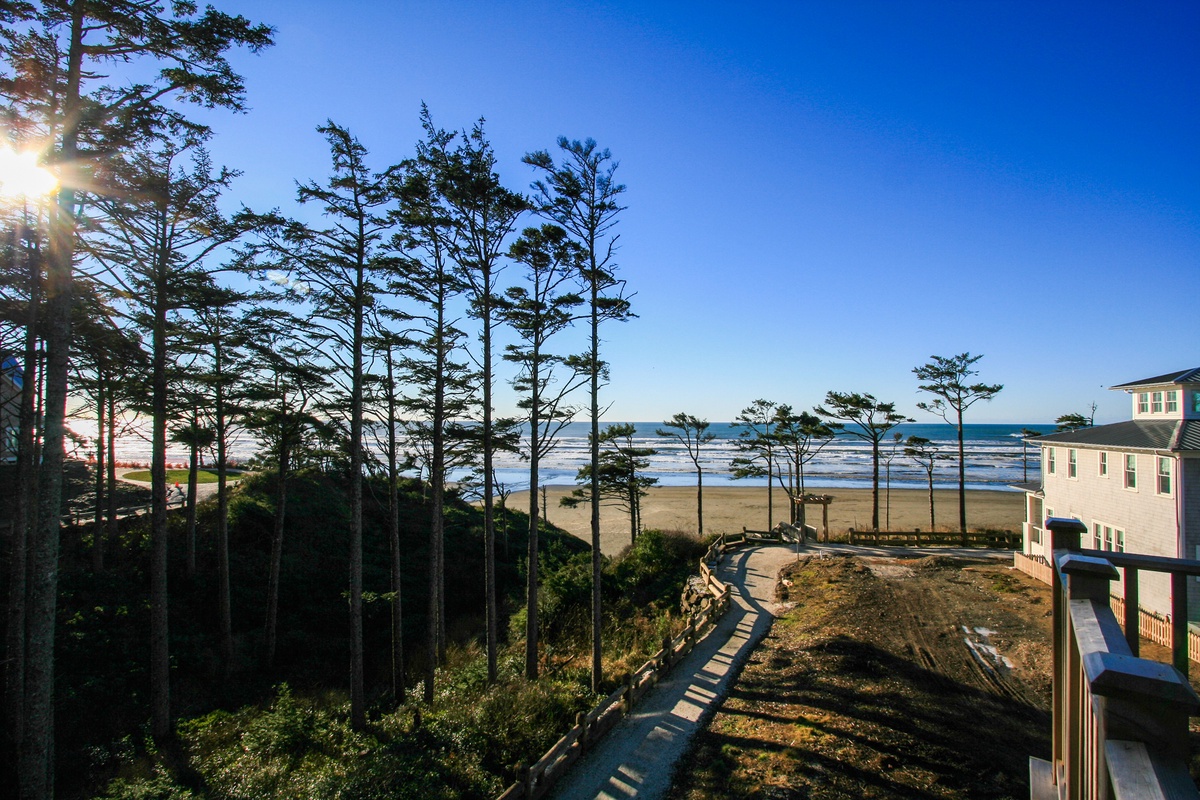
(1156, 403)
(1143, 402)
(1096, 536)
(1196, 401)
(1172, 401)
(1050, 460)
(1120, 543)
(1072, 463)
(1130, 471)
(1164, 475)
(1103, 464)
(1108, 538)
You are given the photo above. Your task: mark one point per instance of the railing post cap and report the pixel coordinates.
(1119, 673)
(1066, 525)
(1092, 566)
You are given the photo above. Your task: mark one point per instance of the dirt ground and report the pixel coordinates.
(889, 678)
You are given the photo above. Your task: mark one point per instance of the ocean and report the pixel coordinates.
(993, 456)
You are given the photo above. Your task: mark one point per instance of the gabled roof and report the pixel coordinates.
(1186, 376)
(1138, 434)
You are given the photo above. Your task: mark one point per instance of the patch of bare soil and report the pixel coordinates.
(923, 678)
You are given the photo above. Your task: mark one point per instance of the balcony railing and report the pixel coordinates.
(1120, 722)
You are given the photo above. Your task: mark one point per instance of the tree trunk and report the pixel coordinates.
(489, 523)
(193, 467)
(111, 529)
(224, 603)
(597, 610)
(98, 514)
(931, 523)
(962, 484)
(398, 688)
(160, 658)
(699, 500)
(358, 703)
(24, 521)
(874, 484)
(270, 633)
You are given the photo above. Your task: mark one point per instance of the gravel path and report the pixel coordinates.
(638, 756)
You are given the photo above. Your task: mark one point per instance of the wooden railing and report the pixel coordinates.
(1120, 722)
(1154, 627)
(1006, 540)
(536, 780)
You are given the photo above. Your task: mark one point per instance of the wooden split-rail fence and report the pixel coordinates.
(536, 780)
(1120, 722)
(1005, 540)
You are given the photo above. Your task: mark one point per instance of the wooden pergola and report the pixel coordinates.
(823, 500)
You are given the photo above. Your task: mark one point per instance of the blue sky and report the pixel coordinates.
(820, 194)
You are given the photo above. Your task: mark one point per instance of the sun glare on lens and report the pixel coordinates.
(22, 176)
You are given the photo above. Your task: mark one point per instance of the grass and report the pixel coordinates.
(180, 476)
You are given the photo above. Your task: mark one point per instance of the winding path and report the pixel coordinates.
(638, 756)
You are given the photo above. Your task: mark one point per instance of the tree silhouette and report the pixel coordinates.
(946, 378)
(693, 434)
(862, 416)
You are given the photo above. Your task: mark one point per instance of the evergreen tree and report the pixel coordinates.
(441, 383)
(620, 479)
(946, 378)
(692, 433)
(580, 195)
(154, 236)
(757, 444)
(482, 214)
(800, 438)
(338, 268)
(864, 417)
(58, 87)
(536, 312)
(925, 453)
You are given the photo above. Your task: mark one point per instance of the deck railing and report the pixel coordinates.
(1120, 722)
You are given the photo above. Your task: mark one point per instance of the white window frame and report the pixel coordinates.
(1130, 471)
(1172, 401)
(1103, 466)
(1160, 462)
(1156, 403)
(1072, 464)
(1050, 460)
(1143, 402)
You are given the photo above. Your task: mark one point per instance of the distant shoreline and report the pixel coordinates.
(727, 509)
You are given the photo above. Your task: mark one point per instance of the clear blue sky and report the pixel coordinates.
(820, 194)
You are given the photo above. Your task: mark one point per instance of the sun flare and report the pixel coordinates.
(22, 176)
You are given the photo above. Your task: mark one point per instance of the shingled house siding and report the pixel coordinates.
(1147, 518)
(1190, 486)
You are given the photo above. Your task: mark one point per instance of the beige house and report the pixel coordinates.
(1135, 484)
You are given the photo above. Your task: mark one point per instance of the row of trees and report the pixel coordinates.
(777, 443)
(135, 290)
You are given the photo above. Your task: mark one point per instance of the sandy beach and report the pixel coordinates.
(730, 508)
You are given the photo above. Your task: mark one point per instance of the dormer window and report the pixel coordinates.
(1156, 403)
(1143, 402)
(1196, 401)
(1172, 401)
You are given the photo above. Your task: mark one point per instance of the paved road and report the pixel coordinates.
(637, 757)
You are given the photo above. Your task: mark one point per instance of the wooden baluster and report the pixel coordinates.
(1133, 616)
